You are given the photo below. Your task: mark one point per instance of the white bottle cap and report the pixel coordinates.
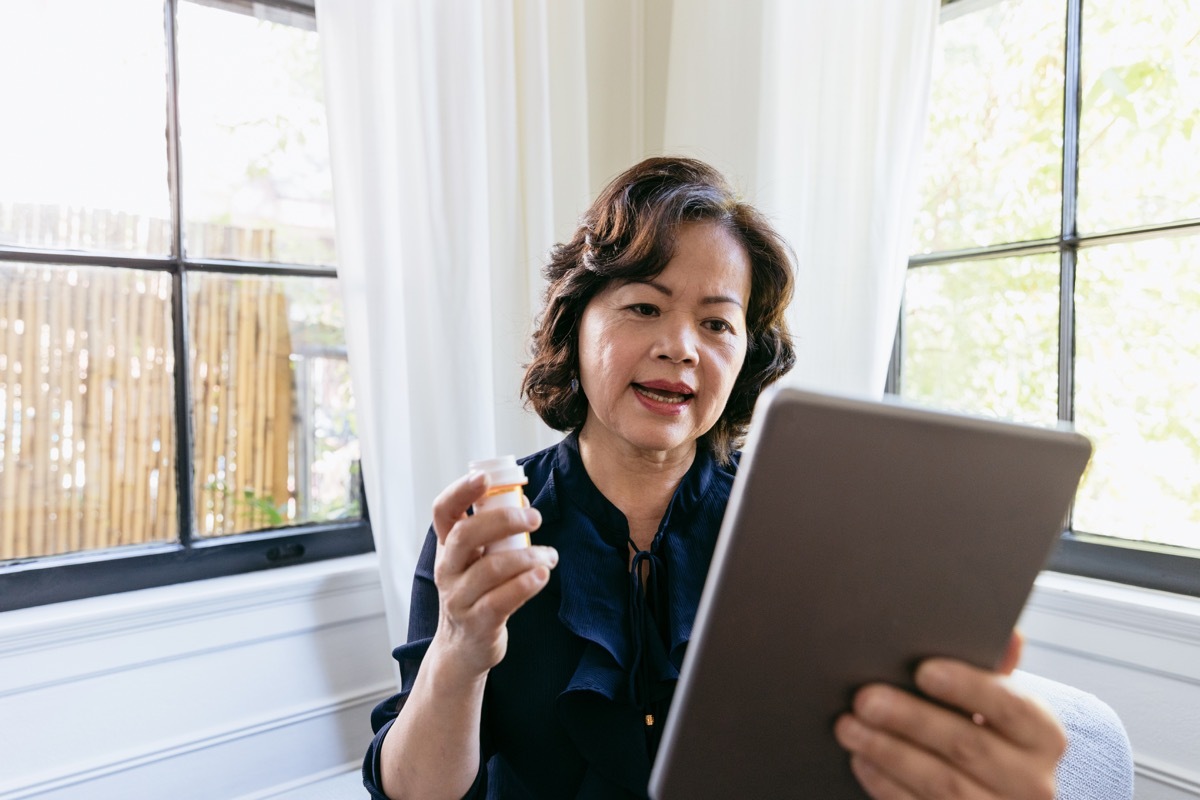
(500, 471)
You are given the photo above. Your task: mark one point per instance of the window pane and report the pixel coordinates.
(256, 179)
(992, 170)
(83, 154)
(273, 414)
(1137, 389)
(87, 437)
(982, 337)
(1139, 147)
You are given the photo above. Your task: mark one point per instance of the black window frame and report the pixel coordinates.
(39, 581)
(1144, 564)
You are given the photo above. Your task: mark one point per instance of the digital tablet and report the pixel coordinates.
(860, 538)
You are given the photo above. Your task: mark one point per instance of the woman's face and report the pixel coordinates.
(658, 359)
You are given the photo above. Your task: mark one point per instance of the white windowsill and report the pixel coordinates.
(169, 605)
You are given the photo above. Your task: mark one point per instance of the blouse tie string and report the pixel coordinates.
(644, 611)
(649, 621)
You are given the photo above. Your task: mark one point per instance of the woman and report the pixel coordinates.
(549, 671)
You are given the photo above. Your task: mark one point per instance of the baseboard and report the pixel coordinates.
(1168, 775)
(309, 783)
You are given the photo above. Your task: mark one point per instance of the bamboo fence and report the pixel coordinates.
(87, 442)
(87, 402)
(243, 394)
(63, 227)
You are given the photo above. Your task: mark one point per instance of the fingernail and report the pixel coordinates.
(932, 677)
(869, 705)
(533, 517)
(551, 556)
(478, 479)
(850, 732)
(541, 574)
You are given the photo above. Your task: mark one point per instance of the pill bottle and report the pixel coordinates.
(505, 478)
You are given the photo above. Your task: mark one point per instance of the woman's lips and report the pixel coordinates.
(661, 400)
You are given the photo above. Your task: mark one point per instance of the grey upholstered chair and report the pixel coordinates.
(1098, 764)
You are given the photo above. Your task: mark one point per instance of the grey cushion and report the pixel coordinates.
(1098, 764)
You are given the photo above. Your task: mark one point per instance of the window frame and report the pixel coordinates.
(1144, 564)
(39, 581)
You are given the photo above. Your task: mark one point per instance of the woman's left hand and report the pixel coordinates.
(1004, 744)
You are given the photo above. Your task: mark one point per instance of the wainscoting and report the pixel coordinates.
(257, 686)
(222, 689)
(1139, 651)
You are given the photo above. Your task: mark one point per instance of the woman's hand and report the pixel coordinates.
(1005, 745)
(477, 593)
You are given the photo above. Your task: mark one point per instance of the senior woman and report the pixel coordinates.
(548, 672)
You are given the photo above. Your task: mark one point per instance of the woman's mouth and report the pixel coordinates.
(658, 398)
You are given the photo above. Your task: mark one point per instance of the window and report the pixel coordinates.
(174, 392)
(1057, 251)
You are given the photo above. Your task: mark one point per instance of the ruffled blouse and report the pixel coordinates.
(576, 707)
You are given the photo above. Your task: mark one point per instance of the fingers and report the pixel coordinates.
(927, 749)
(495, 606)
(452, 504)
(889, 767)
(478, 594)
(477, 598)
(1005, 745)
(463, 543)
(1017, 717)
(497, 571)
(472, 627)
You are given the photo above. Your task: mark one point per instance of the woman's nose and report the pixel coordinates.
(677, 342)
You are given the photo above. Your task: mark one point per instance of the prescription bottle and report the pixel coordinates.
(505, 478)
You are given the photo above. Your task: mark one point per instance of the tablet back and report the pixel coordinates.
(860, 537)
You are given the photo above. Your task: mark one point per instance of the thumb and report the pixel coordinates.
(1012, 655)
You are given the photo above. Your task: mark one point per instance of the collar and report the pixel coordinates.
(591, 536)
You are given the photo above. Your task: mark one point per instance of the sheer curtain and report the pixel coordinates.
(818, 113)
(451, 179)
(463, 135)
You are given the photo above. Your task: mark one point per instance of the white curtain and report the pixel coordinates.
(817, 110)
(451, 179)
(463, 135)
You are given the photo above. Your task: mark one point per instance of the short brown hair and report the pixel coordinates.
(628, 234)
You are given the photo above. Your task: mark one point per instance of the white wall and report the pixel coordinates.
(1139, 651)
(240, 687)
(228, 688)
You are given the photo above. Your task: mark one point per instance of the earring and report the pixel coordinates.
(574, 386)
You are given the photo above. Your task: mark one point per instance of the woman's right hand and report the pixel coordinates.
(478, 594)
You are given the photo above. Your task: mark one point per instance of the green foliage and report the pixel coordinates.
(982, 336)
(265, 507)
(993, 167)
(266, 510)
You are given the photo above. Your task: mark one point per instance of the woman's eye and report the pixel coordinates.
(643, 309)
(719, 326)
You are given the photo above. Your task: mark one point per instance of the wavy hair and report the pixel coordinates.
(628, 234)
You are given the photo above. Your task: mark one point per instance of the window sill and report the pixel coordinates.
(1117, 623)
(49, 625)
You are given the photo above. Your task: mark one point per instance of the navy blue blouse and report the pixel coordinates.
(576, 707)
